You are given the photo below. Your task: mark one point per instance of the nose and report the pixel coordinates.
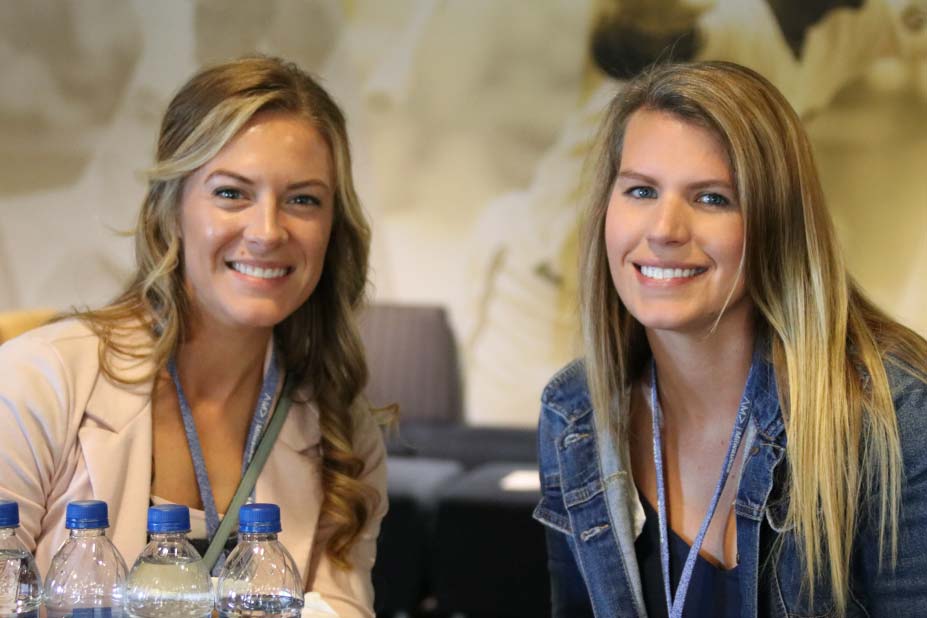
(671, 221)
(264, 229)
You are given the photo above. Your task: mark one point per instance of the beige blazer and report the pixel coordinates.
(68, 433)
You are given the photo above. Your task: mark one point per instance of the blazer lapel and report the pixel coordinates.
(115, 440)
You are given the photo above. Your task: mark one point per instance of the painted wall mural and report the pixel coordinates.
(470, 122)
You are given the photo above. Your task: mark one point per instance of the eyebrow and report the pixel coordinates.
(701, 184)
(312, 182)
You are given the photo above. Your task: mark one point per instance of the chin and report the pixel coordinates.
(259, 318)
(673, 322)
(665, 325)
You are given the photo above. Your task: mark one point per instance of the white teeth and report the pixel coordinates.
(256, 271)
(654, 272)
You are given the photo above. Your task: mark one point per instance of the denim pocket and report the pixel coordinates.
(551, 511)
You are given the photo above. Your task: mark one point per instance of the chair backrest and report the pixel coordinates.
(412, 356)
(13, 323)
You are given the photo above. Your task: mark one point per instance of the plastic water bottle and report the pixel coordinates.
(169, 578)
(87, 576)
(20, 584)
(259, 577)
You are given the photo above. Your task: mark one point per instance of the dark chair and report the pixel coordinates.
(412, 356)
(452, 537)
(490, 556)
(401, 575)
(412, 360)
(471, 446)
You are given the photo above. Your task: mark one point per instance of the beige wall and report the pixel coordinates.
(469, 121)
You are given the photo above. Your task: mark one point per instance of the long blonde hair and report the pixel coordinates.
(319, 342)
(829, 343)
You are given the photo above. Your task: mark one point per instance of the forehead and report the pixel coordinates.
(653, 136)
(276, 141)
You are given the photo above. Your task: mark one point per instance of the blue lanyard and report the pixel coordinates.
(258, 422)
(674, 606)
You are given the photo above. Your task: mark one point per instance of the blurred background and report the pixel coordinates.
(470, 121)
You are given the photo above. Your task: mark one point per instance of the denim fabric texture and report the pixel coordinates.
(593, 514)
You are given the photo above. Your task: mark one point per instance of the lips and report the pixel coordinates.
(260, 272)
(663, 273)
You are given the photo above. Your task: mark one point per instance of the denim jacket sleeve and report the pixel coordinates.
(901, 592)
(569, 598)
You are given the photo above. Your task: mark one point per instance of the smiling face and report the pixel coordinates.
(674, 232)
(255, 223)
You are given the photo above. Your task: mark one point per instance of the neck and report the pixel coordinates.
(216, 363)
(701, 378)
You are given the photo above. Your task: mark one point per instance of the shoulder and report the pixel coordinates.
(909, 395)
(71, 347)
(46, 377)
(567, 393)
(57, 351)
(566, 407)
(368, 434)
(55, 370)
(903, 379)
(65, 335)
(368, 443)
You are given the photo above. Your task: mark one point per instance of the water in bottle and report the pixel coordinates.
(87, 576)
(259, 577)
(20, 585)
(169, 578)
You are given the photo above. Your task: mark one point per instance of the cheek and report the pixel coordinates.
(204, 241)
(204, 236)
(617, 238)
(319, 244)
(314, 238)
(727, 244)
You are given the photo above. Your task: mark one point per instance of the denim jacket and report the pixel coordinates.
(593, 514)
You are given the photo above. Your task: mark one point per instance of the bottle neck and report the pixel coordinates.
(86, 533)
(251, 537)
(161, 537)
(6, 533)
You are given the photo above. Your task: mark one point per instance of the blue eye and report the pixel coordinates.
(642, 193)
(713, 199)
(305, 200)
(228, 193)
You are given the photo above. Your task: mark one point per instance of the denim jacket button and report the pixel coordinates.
(573, 438)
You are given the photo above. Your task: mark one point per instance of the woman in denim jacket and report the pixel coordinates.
(746, 435)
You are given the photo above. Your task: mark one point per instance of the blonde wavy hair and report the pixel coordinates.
(319, 342)
(829, 344)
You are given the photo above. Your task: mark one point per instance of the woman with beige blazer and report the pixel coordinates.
(251, 252)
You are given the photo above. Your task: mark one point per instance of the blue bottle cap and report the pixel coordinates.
(168, 518)
(259, 519)
(9, 514)
(86, 515)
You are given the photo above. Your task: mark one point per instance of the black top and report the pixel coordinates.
(713, 591)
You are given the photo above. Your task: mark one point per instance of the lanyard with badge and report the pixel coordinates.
(256, 435)
(675, 605)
